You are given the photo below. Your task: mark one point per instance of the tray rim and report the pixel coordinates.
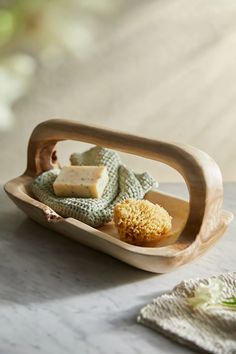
(206, 220)
(14, 188)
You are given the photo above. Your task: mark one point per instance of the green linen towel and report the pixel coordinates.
(123, 183)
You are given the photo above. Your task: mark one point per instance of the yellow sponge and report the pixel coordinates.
(140, 221)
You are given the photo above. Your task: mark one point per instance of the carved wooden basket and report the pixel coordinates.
(196, 225)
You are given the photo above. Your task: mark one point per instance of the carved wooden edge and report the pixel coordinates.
(167, 257)
(200, 172)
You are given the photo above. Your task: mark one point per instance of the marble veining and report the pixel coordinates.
(57, 296)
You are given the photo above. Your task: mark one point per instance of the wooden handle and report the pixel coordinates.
(201, 173)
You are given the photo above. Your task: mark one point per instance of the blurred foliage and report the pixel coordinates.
(15, 16)
(24, 17)
(46, 31)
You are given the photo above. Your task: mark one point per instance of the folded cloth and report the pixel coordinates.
(211, 330)
(123, 184)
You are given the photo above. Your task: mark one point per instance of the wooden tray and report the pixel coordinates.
(196, 225)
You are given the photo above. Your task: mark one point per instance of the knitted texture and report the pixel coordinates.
(123, 183)
(210, 330)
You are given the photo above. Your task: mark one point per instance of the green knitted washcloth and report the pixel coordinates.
(123, 183)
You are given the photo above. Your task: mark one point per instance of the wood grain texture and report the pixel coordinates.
(89, 297)
(196, 228)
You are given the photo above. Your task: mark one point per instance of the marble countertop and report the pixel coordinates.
(57, 296)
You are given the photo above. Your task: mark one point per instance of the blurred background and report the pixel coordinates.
(164, 69)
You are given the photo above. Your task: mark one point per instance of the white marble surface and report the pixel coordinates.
(57, 296)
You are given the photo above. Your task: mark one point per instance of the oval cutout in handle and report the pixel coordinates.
(200, 172)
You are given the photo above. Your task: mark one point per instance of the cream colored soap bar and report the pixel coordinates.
(81, 181)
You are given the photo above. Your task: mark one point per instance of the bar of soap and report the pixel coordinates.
(81, 181)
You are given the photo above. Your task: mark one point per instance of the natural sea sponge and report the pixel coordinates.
(140, 221)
